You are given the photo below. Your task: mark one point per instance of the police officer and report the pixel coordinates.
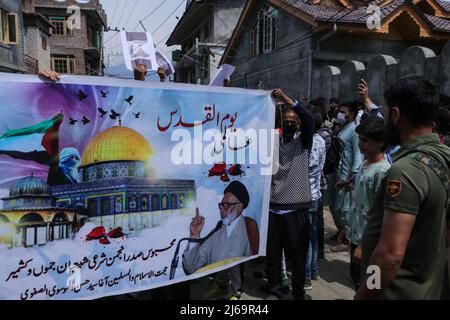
(404, 243)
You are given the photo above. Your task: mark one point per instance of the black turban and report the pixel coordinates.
(239, 191)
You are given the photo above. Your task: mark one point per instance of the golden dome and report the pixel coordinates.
(117, 144)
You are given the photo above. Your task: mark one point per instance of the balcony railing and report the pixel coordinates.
(31, 64)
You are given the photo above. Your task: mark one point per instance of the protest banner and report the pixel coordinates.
(111, 186)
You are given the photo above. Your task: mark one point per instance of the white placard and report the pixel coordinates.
(225, 72)
(164, 63)
(138, 48)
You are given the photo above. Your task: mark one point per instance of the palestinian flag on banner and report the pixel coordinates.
(40, 137)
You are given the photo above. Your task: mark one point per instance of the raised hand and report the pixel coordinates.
(140, 72)
(196, 225)
(49, 74)
(162, 74)
(279, 94)
(363, 91)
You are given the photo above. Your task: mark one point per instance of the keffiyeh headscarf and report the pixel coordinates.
(69, 161)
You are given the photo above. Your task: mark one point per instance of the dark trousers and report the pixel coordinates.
(355, 269)
(290, 232)
(320, 232)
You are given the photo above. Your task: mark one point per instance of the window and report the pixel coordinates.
(144, 204)
(59, 26)
(164, 204)
(133, 203)
(173, 202)
(181, 200)
(44, 43)
(264, 31)
(92, 208)
(105, 206)
(118, 205)
(155, 202)
(3, 26)
(254, 45)
(209, 26)
(9, 28)
(63, 64)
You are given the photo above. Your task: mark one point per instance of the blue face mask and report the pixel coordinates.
(341, 118)
(229, 218)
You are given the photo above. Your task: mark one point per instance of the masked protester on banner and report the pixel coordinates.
(404, 249)
(289, 226)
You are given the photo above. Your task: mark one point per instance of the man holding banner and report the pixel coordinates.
(289, 226)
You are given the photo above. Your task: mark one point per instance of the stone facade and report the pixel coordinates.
(383, 70)
(322, 50)
(37, 44)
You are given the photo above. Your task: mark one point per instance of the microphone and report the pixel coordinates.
(174, 264)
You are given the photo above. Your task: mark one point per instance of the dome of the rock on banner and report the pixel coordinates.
(30, 186)
(117, 144)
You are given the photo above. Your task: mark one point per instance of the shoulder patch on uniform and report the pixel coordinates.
(394, 188)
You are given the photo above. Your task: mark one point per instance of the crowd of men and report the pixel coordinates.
(384, 173)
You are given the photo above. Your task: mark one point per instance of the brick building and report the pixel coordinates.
(73, 50)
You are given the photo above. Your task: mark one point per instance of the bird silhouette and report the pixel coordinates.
(136, 115)
(114, 115)
(81, 95)
(85, 120)
(104, 93)
(72, 122)
(129, 99)
(102, 111)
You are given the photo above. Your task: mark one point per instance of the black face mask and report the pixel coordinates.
(289, 128)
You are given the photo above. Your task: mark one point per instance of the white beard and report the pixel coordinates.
(229, 218)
